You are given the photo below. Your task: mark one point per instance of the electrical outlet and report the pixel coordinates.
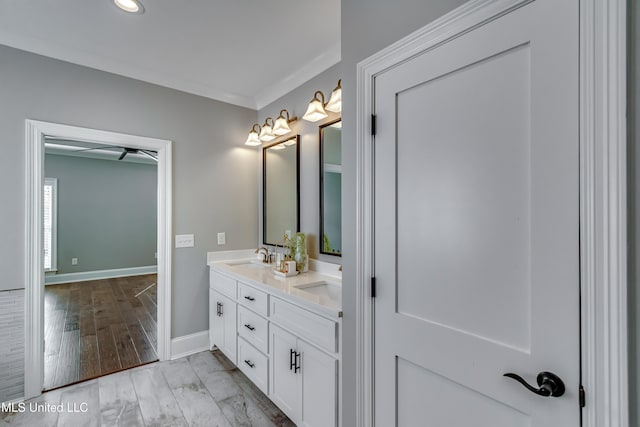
(184, 240)
(289, 234)
(74, 261)
(222, 238)
(155, 255)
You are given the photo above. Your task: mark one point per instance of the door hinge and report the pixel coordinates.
(373, 125)
(373, 287)
(581, 396)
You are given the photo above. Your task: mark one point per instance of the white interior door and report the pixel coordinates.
(476, 226)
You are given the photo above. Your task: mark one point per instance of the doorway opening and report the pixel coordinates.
(37, 253)
(100, 252)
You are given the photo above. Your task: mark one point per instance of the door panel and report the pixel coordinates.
(439, 401)
(319, 381)
(476, 225)
(284, 388)
(474, 193)
(222, 324)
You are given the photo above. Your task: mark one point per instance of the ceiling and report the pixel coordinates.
(245, 52)
(90, 150)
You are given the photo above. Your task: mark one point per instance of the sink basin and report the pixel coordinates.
(248, 263)
(329, 290)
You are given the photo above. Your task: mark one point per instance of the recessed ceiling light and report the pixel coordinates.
(130, 6)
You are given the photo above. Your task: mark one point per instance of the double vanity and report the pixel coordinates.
(282, 333)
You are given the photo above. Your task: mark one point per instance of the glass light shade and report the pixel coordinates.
(290, 142)
(281, 127)
(315, 111)
(335, 102)
(266, 133)
(253, 139)
(131, 6)
(277, 147)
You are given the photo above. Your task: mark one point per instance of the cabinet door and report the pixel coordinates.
(222, 324)
(319, 387)
(216, 323)
(285, 383)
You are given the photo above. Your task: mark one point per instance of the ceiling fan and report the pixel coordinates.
(148, 153)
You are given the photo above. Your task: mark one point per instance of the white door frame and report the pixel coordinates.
(34, 272)
(603, 255)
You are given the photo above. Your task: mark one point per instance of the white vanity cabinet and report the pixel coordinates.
(304, 380)
(287, 346)
(223, 315)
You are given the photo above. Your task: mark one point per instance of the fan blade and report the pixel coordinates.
(148, 154)
(96, 148)
(124, 153)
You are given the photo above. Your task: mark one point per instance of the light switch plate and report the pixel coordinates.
(74, 261)
(222, 238)
(184, 240)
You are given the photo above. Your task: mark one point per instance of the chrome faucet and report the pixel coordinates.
(265, 253)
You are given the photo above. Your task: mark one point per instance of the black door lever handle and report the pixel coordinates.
(550, 384)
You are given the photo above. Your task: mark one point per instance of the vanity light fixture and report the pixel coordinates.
(253, 138)
(266, 134)
(315, 110)
(130, 6)
(281, 127)
(335, 102)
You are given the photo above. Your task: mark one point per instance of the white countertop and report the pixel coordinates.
(326, 301)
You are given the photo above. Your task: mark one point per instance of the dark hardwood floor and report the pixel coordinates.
(97, 327)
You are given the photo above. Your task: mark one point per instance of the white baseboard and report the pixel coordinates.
(187, 345)
(83, 276)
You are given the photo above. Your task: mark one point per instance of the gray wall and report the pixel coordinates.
(12, 348)
(296, 102)
(634, 212)
(367, 27)
(107, 213)
(207, 151)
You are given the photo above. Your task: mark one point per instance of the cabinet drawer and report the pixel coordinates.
(223, 284)
(303, 323)
(254, 299)
(254, 329)
(254, 364)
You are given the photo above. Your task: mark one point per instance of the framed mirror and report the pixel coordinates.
(331, 188)
(280, 190)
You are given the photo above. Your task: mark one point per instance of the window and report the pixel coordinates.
(50, 221)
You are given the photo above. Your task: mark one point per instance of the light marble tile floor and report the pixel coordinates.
(204, 389)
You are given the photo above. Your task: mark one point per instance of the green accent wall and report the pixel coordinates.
(107, 213)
